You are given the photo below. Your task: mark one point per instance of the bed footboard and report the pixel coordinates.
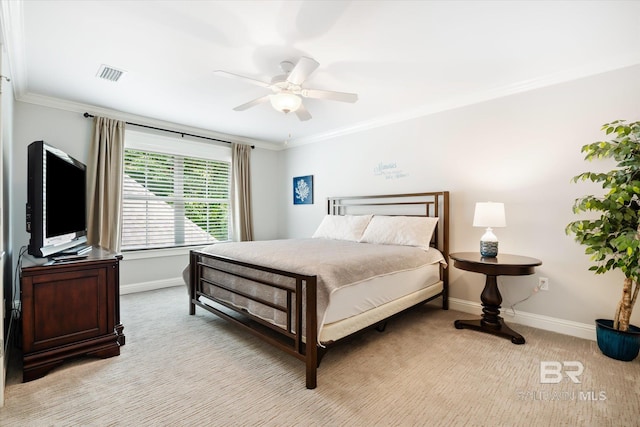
(298, 337)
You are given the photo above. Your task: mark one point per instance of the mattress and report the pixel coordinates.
(334, 331)
(352, 300)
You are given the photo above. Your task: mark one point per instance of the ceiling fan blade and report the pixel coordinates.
(252, 103)
(328, 94)
(243, 78)
(302, 70)
(302, 113)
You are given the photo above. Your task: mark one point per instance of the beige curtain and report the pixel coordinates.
(242, 218)
(105, 168)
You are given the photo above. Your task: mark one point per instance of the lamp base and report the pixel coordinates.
(489, 249)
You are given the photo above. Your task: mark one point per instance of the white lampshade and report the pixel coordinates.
(285, 101)
(489, 214)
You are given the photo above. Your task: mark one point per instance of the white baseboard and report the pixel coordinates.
(561, 326)
(150, 286)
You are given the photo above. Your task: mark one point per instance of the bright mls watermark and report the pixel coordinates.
(556, 372)
(551, 371)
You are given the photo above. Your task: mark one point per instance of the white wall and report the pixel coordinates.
(521, 150)
(7, 296)
(265, 167)
(71, 132)
(7, 113)
(67, 131)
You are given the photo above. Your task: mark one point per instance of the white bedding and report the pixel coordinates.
(334, 331)
(352, 277)
(352, 300)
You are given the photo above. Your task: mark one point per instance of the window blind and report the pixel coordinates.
(173, 200)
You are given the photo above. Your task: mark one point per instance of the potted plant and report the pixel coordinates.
(613, 239)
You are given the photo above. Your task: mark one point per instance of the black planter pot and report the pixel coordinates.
(617, 344)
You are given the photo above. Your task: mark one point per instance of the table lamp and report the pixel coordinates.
(489, 214)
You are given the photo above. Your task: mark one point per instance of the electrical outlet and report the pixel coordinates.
(543, 283)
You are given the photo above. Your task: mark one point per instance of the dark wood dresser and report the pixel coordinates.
(69, 309)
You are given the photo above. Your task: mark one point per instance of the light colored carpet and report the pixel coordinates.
(181, 370)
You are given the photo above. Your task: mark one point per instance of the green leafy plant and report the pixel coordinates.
(613, 239)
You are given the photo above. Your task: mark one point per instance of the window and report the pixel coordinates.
(171, 199)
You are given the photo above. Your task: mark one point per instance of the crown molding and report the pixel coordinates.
(475, 98)
(81, 108)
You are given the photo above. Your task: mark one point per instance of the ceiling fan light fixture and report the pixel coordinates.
(285, 102)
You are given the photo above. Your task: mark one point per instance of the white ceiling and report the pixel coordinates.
(403, 58)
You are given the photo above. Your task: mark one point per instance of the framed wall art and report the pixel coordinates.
(303, 190)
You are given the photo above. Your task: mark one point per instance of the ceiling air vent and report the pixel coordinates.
(109, 73)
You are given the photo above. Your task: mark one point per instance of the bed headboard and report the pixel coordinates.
(433, 204)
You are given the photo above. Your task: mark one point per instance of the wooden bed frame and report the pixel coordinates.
(294, 340)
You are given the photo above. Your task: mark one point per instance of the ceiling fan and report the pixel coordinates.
(288, 91)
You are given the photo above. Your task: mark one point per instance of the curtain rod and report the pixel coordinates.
(87, 115)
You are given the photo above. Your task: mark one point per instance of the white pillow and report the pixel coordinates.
(342, 227)
(400, 230)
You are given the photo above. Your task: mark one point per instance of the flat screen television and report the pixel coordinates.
(56, 200)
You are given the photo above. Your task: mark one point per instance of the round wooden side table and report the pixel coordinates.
(502, 265)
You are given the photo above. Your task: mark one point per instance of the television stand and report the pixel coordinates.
(69, 309)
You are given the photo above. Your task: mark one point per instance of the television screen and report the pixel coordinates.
(64, 197)
(56, 200)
